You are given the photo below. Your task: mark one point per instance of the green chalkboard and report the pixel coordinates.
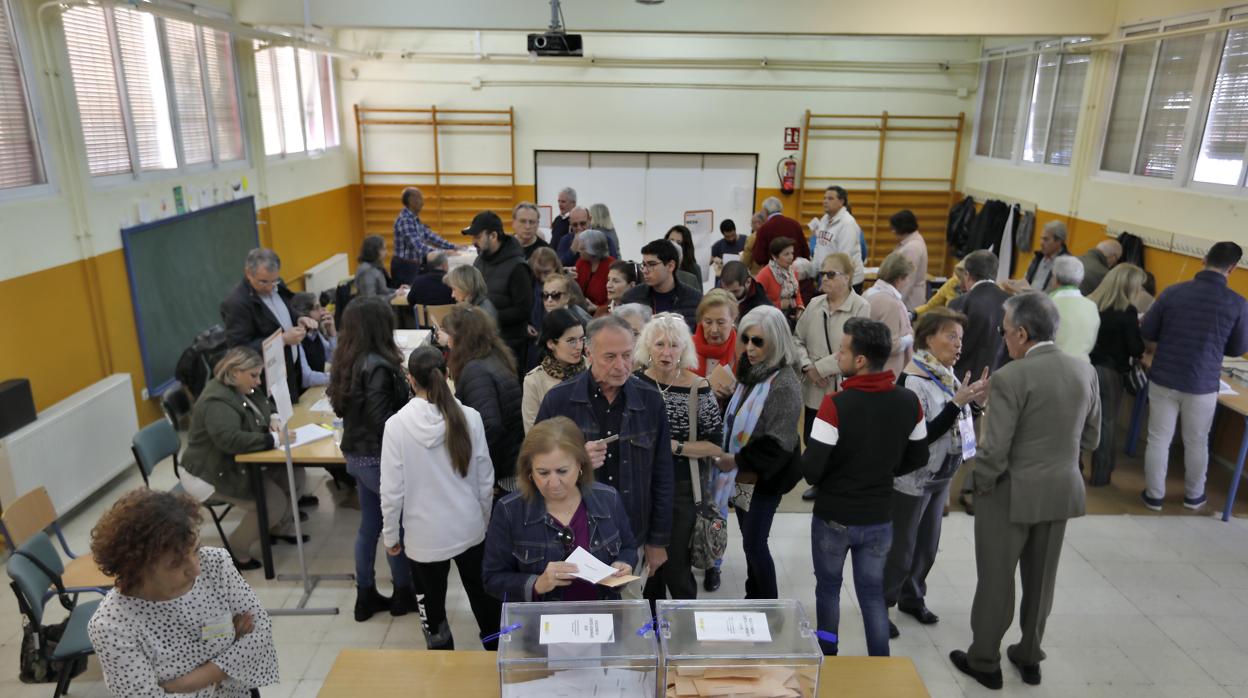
(180, 270)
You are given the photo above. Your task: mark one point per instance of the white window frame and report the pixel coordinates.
(1202, 92)
(1210, 78)
(305, 154)
(34, 105)
(137, 173)
(1003, 54)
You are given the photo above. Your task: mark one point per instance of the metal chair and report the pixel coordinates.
(32, 514)
(30, 577)
(158, 441)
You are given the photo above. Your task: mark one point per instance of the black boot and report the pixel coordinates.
(441, 640)
(368, 602)
(403, 601)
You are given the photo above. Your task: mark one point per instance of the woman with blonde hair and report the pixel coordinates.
(543, 262)
(561, 291)
(468, 286)
(600, 219)
(558, 507)
(665, 351)
(888, 307)
(1118, 344)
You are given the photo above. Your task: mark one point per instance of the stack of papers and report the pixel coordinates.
(322, 405)
(308, 433)
(595, 571)
(742, 682)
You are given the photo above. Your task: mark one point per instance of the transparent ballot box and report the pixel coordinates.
(578, 649)
(743, 649)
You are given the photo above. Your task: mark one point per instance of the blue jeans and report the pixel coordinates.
(830, 544)
(368, 484)
(760, 568)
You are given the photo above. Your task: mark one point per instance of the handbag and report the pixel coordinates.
(709, 539)
(1136, 378)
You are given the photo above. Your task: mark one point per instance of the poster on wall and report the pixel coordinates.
(702, 224)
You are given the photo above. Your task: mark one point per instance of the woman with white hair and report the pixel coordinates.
(593, 265)
(666, 353)
(635, 314)
(761, 439)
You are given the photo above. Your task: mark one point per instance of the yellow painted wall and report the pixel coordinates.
(59, 349)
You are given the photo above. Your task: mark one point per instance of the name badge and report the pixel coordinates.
(217, 628)
(966, 427)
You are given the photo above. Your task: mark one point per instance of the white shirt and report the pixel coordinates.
(1036, 346)
(837, 233)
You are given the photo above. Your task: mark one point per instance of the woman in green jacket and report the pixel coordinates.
(232, 417)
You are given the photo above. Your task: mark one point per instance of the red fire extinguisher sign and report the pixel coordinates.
(792, 137)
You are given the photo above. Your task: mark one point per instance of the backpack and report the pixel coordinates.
(39, 641)
(195, 365)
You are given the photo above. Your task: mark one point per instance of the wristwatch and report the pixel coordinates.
(680, 448)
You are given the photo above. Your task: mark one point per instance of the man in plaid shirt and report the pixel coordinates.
(412, 238)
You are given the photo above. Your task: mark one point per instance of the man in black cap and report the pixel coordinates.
(500, 260)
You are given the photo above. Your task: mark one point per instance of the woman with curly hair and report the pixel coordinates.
(181, 619)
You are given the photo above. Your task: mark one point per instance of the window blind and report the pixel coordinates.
(144, 80)
(988, 107)
(329, 100)
(310, 86)
(1043, 91)
(270, 112)
(1221, 159)
(1061, 143)
(291, 113)
(95, 84)
(223, 94)
(1012, 90)
(188, 91)
(1169, 102)
(20, 164)
(1125, 114)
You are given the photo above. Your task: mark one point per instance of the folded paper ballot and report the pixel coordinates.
(595, 571)
(741, 682)
(582, 683)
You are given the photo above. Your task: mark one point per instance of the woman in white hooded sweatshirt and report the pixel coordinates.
(437, 487)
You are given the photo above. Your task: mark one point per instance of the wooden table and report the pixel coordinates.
(318, 454)
(415, 673)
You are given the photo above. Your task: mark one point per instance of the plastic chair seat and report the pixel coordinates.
(75, 640)
(82, 572)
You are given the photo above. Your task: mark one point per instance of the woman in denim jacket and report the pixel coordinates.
(556, 509)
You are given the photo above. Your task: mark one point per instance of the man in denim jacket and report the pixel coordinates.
(608, 401)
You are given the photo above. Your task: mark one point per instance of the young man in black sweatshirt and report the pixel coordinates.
(863, 436)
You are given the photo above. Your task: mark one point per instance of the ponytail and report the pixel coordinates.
(428, 370)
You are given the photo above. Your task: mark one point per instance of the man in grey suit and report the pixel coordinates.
(1042, 408)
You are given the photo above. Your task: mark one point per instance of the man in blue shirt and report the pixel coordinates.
(1192, 326)
(730, 244)
(412, 239)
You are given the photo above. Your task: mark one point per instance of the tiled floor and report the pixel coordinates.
(1145, 606)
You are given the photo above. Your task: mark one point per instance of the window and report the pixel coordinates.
(1029, 102)
(153, 94)
(1221, 158)
(298, 109)
(20, 164)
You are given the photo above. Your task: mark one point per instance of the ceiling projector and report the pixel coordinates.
(556, 43)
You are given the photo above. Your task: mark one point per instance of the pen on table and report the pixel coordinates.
(509, 629)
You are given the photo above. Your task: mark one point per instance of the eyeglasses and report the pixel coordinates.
(552, 295)
(651, 263)
(753, 339)
(830, 274)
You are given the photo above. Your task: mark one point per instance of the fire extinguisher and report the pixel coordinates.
(786, 170)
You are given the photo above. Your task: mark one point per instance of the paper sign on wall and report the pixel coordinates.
(579, 628)
(727, 626)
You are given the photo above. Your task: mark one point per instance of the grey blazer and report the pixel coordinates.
(1042, 410)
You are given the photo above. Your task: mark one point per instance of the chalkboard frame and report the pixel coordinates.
(136, 302)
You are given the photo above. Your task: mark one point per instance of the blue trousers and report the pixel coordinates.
(367, 474)
(830, 544)
(760, 568)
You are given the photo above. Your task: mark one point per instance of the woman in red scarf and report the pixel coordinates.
(716, 335)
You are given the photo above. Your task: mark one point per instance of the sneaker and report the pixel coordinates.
(1150, 502)
(1195, 503)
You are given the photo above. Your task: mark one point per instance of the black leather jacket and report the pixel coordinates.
(378, 390)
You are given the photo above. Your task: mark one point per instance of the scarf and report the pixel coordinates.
(746, 406)
(559, 370)
(723, 353)
(786, 279)
(930, 367)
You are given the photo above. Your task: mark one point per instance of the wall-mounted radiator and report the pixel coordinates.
(326, 275)
(74, 447)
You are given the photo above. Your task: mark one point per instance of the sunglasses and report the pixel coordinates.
(753, 339)
(552, 295)
(565, 536)
(830, 274)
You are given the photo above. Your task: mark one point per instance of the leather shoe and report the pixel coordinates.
(810, 494)
(1029, 672)
(711, 580)
(309, 500)
(288, 540)
(988, 679)
(252, 564)
(921, 614)
(893, 632)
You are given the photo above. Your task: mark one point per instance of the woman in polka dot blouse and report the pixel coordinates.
(181, 619)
